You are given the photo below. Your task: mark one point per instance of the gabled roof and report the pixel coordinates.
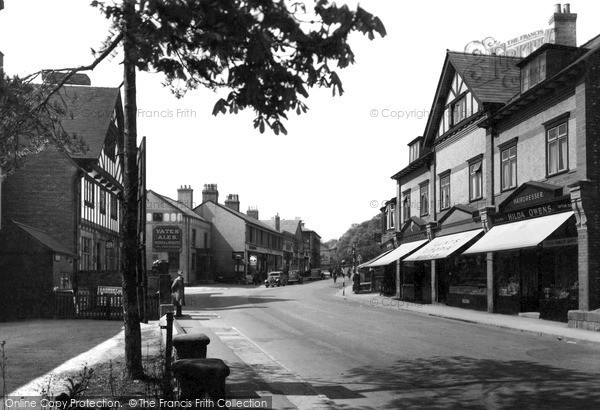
(492, 79)
(45, 239)
(243, 216)
(178, 205)
(88, 115)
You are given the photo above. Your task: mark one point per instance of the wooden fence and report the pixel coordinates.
(88, 305)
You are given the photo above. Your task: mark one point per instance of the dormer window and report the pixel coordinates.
(414, 151)
(533, 72)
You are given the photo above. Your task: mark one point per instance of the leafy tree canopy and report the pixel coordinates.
(362, 236)
(267, 52)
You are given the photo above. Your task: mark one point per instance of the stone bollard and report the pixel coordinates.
(199, 378)
(191, 345)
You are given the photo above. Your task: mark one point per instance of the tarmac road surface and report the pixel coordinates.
(363, 357)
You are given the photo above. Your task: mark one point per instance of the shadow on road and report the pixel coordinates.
(216, 302)
(464, 382)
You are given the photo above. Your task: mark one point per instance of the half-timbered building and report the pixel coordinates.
(70, 201)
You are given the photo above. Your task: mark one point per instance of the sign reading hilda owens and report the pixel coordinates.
(166, 238)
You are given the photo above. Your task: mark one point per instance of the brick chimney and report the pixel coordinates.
(210, 193)
(185, 195)
(564, 24)
(252, 212)
(233, 202)
(277, 223)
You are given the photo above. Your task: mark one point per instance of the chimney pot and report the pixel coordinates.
(557, 8)
(567, 8)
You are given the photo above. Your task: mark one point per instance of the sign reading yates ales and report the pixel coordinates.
(166, 238)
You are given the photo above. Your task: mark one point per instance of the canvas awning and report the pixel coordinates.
(443, 246)
(401, 251)
(521, 234)
(368, 263)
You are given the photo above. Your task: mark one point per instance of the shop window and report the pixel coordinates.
(102, 203)
(475, 181)
(424, 199)
(508, 175)
(445, 191)
(557, 149)
(406, 206)
(157, 217)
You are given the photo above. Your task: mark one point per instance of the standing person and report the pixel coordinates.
(178, 293)
(335, 271)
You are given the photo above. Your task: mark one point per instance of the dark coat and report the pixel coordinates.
(178, 291)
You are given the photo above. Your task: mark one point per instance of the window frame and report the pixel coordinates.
(102, 201)
(549, 127)
(157, 218)
(406, 205)
(424, 205)
(506, 148)
(471, 163)
(88, 193)
(443, 176)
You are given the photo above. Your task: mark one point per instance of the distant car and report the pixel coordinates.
(274, 279)
(295, 277)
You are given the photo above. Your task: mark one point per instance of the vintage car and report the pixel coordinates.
(295, 277)
(275, 279)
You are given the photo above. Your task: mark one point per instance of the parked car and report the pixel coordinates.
(295, 277)
(315, 274)
(275, 279)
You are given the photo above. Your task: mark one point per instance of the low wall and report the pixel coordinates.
(584, 319)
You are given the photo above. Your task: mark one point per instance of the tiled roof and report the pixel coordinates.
(288, 225)
(179, 206)
(45, 239)
(246, 217)
(88, 114)
(493, 79)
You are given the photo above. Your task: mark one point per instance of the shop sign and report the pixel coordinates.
(532, 212)
(237, 255)
(553, 243)
(253, 260)
(166, 238)
(529, 195)
(110, 290)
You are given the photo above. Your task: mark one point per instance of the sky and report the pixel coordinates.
(334, 167)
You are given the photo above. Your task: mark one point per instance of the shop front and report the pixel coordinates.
(533, 245)
(387, 264)
(453, 279)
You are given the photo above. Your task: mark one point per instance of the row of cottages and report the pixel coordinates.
(61, 211)
(215, 240)
(242, 244)
(498, 207)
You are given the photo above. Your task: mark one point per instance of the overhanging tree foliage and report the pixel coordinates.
(267, 53)
(362, 236)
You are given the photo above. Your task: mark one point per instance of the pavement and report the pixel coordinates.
(529, 325)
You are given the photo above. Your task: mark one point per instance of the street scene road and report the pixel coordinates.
(360, 356)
